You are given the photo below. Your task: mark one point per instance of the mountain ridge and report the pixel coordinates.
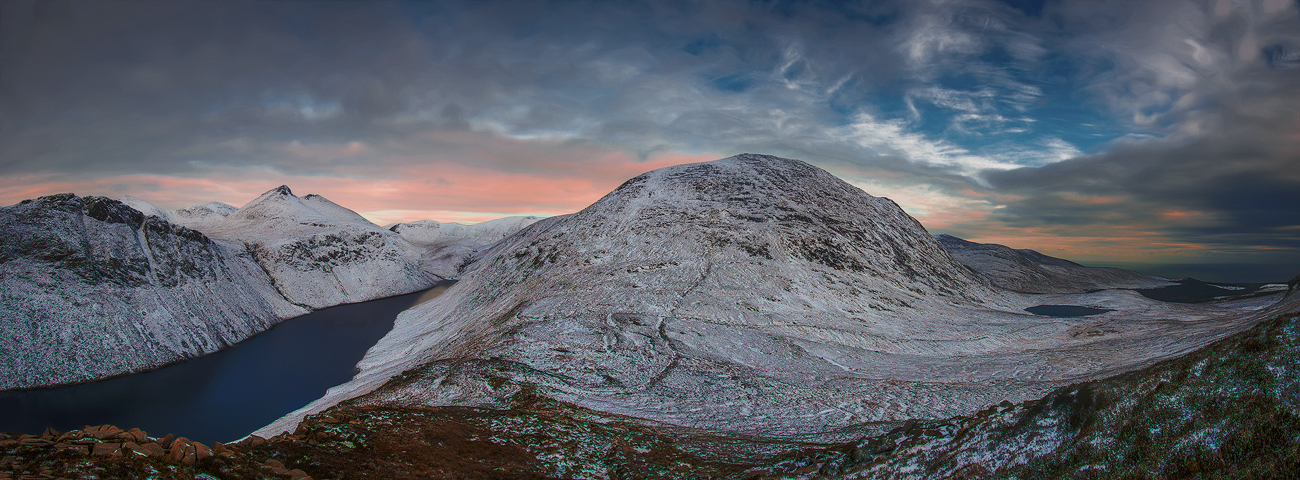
(73, 269)
(753, 294)
(1028, 271)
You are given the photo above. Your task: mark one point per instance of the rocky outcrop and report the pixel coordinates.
(92, 288)
(756, 295)
(106, 451)
(319, 254)
(1028, 271)
(447, 249)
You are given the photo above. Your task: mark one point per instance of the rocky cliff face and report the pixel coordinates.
(91, 288)
(319, 254)
(1031, 272)
(447, 249)
(756, 295)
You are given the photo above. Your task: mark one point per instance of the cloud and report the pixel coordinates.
(1014, 117)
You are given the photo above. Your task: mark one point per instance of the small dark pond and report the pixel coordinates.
(1065, 310)
(225, 395)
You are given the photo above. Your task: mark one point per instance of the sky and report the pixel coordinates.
(1106, 132)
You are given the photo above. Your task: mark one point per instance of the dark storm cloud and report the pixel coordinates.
(1220, 164)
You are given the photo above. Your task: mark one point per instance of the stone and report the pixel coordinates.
(50, 433)
(35, 442)
(297, 474)
(8, 443)
(139, 435)
(153, 449)
(106, 432)
(165, 441)
(276, 467)
(140, 450)
(113, 449)
(254, 440)
(201, 451)
(221, 451)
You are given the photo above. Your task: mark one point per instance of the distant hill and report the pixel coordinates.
(1028, 271)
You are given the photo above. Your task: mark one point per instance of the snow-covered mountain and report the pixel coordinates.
(756, 295)
(1028, 271)
(91, 288)
(320, 254)
(200, 217)
(447, 248)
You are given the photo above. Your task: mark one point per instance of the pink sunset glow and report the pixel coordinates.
(445, 192)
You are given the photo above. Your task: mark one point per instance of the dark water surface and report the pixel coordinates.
(1065, 310)
(225, 395)
(1191, 290)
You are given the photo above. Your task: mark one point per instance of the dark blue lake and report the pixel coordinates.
(225, 395)
(1065, 310)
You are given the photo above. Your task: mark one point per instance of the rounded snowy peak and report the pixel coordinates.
(766, 207)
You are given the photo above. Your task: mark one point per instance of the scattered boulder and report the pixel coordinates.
(113, 449)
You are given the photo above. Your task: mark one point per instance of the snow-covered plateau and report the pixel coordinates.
(92, 287)
(755, 295)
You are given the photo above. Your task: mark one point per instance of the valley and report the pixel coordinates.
(749, 317)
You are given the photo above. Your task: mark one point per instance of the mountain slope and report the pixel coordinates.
(91, 288)
(449, 247)
(319, 254)
(1229, 410)
(756, 295)
(1032, 272)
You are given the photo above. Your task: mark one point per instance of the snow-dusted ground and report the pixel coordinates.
(447, 249)
(1031, 272)
(757, 295)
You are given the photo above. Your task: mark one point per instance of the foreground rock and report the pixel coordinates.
(1031, 272)
(107, 451)
(91, 288)
(753, 295)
